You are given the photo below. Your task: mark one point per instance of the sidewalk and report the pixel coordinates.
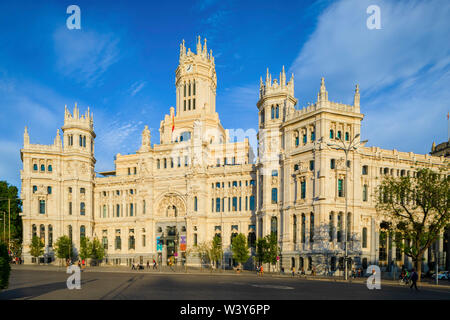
(166, 270)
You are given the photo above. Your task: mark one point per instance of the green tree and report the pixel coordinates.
(84, 248)
(211, 251)
(37, 247)
(273, 250)
(262, 249)
(96, 250)
(5, 267)
(239, 248)
(8, 191)
(416, 210)
(64, 248)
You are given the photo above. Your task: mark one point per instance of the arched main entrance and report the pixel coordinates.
(171, 229)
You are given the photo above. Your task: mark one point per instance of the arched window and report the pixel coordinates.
(272, 113)
(34, 189)
(277, 112)
(349, 226)
(42, 233)
(294, 230)
(339, 227)
(331, 226)
(131, 242)
(339, 135)
(42, 167)
(50, 235)
(118, 242)
(331, 134)
(333, 263)
(49, 190)
(251, 240)
(81, 141)
(310, 263)
(35, 167)
(274, 226)
(82, 232)
(364, 237)
(274, 195)
(301, 263)
(303, 228)
(293, 262)
(50, 168)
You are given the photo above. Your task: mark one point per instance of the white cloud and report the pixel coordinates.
(85, 55)
(402, 69)
(136, 87)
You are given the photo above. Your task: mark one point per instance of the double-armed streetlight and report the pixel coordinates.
(351, 146)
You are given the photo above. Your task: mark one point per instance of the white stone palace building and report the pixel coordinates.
(198, 181)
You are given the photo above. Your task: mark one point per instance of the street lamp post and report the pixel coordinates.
(353, 145)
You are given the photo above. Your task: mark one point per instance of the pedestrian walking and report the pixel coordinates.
(261, 270)
(293, 271)
(133, 267)
(154, 264)
(414, 278)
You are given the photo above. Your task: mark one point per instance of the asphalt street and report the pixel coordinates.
(51, 285)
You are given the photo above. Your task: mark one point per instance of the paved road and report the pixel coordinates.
(39, 284)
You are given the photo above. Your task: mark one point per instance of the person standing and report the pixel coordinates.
(293, 271)
(414, 278)
(154, 264)
(148, 264)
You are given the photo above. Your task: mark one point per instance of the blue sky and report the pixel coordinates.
(122, 62)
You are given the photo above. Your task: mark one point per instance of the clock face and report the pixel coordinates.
(189, 68)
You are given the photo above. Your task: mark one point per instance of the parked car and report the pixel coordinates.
(442, 275)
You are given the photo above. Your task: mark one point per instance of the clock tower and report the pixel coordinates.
(195, 81)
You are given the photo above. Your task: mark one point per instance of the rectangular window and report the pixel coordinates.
(131, 209)
(217, 204)
(274, 195)
(212, 205)
(70, 208)
(311, 165)
(304, 139)
(82, 208)
(365, 192)
(365, 170)
(313, 136)
(252, 202)
(234, 203)
(240, 204)
(340, 187)
(42, 206)
(332, 163)
(303, 189)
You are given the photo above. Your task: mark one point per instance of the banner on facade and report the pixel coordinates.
(158, 244)
(183, 243)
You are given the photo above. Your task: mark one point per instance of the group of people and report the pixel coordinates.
(139, 266)
(406, 277)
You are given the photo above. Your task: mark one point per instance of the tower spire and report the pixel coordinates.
(323, 94)
(26, 137)
(199, 45)
(356, 98)
(205, 49)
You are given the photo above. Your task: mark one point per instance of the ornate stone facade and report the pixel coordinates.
(168, 197)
